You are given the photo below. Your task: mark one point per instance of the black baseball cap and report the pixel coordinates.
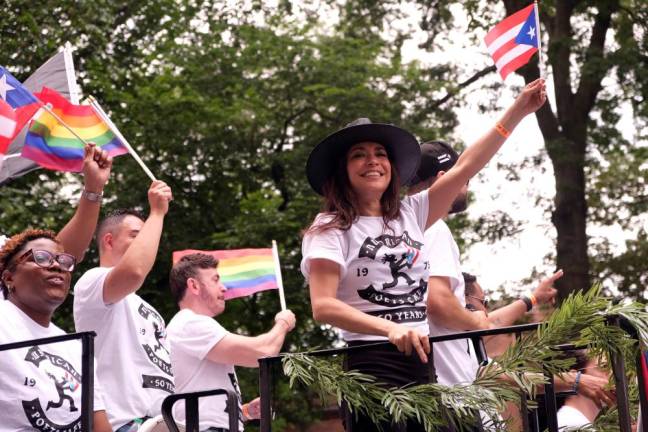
(435, 156)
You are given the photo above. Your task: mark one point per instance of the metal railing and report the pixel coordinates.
(617, 366)
(87, 368)
(192, 417)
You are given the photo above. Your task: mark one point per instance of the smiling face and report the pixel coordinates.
(36, 289)
(212, 291)
(368, 168)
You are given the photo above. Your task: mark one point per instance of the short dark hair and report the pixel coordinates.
(187, 268)
(436, 156)
(469, 280)
(14, 245)
(114, 218)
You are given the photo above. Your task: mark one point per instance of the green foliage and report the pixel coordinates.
(224, 103)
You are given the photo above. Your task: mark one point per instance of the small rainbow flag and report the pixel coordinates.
(53, 146)
(242, 271)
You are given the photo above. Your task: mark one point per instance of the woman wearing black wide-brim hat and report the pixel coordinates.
(362, 255)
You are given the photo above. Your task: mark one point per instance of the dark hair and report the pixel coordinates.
(187, 268)
(113, 219)
(341, 202)
(15, 245)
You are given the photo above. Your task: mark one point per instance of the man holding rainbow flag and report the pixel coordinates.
(203, 353)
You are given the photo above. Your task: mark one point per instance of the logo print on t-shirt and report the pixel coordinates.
(399, 264)
(395, 266)
(66, 381)
(155, 349)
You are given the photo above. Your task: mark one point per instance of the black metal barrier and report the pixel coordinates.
(192, 417)
(617, 364)
(87, 368)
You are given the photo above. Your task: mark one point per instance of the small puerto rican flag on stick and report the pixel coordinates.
(513, 42)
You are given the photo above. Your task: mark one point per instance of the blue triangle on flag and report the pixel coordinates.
(529, 32)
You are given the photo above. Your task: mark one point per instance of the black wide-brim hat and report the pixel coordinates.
(402, 147)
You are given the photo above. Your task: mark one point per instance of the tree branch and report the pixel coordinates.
(560, 42)
(595, 66)
(452, 93)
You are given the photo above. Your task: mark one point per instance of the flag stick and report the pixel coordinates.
(111, 125)
(49, 109)
(275, 255)
(537, 20)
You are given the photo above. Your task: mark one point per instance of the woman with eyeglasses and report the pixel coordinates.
(362, 255)
(40, 386)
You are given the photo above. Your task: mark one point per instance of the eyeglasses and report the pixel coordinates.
(483, 301)
(45, 259)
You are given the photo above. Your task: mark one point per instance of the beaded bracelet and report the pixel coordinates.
(577, 381)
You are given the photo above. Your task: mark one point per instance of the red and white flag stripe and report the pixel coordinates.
(7, 125)
(500, 43)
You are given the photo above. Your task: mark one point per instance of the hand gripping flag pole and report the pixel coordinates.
(114, 129)
(275, 255)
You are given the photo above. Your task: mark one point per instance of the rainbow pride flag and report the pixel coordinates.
(53, 146)
(242, 271)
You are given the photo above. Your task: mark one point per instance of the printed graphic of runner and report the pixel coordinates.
(398, 254)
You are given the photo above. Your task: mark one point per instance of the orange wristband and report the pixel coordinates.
(534, 300)
(246, 412)
(499, 127)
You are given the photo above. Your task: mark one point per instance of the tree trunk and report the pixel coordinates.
(570, 216)
(565, 132)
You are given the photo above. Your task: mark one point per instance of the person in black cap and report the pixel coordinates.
(362, 255)
(445, 296)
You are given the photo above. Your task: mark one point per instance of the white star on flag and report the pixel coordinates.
(4, 87)
(531, 32)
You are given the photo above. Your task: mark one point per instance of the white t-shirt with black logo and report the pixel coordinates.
(382, 271)
(191, 337)
(132, 352)
(452, 359)
(40, 386)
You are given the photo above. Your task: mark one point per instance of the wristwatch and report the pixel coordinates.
(92, 196)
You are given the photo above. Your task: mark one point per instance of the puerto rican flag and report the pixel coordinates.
(7, 127)
(513, 42)
(19, 98)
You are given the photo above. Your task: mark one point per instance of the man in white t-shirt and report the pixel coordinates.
(204, 353)
(445, 296)
(133, 360)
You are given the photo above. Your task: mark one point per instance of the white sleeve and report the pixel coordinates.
(88, 291)
(439, 246)
(420, 205)
(328, 245)
(198, 335)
